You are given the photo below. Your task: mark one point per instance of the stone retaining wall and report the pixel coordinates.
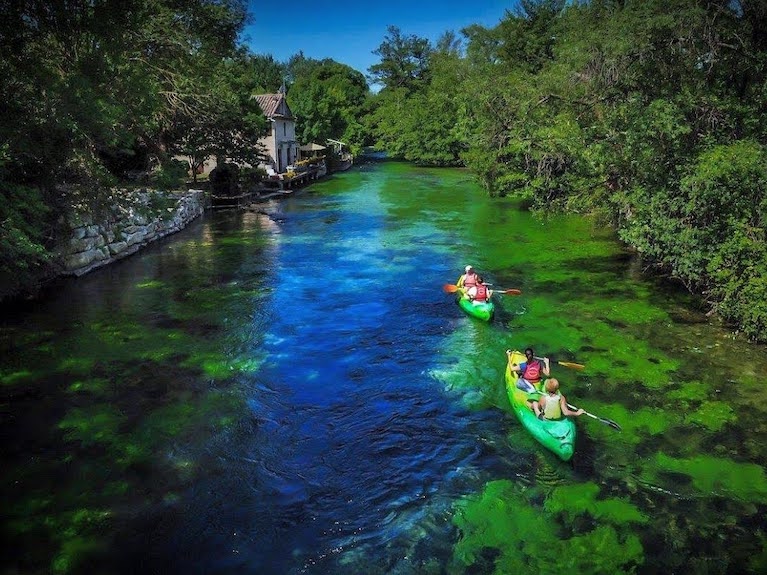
(94, 244)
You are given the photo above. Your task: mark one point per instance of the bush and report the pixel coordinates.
(171, 176)
(23, 225)
(250, 177)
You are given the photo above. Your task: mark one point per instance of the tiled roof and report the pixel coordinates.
(273, 105)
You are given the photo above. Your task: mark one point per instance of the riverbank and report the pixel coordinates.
(125, 230)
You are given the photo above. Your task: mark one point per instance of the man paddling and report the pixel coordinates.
(530, 371)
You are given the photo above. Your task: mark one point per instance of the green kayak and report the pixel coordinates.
(483, 311)
(556, 435)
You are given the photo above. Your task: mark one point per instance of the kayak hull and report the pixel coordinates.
(483, 311)
(558, 435)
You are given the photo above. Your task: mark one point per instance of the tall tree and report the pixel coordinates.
(328, 98)
(404, 61)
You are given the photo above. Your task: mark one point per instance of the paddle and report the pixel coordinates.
(451, 288)
(609, 422)
(570, 364)
(606, 421)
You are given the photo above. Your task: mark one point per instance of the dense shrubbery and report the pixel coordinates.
(23, 237)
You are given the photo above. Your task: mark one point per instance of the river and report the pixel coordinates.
(289, 390)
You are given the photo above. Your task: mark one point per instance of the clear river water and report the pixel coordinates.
(289, 390)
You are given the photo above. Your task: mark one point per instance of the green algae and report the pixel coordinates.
(712, 415)
(76, 532)
(16, 377)
(151, 284)
(95, 385)
(688, 391)
(637, 426)
(77, 365)
(713, 476)
(214, 365)
(98, 424)
(497, 519)
(577, 499)
(601, 551)
(524, 538)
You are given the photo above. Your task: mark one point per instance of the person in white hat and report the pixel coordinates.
(468, 279)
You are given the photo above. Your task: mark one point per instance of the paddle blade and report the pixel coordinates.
(512, 292)
(604, 420)
(611, 423)
(450, 288)
(572, 365)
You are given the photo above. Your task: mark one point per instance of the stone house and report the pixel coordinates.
(280, 144)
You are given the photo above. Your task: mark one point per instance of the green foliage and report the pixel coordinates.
(420, 122)
(23, 233)
(251, 176)
(404, 61)
(171, 176)
(89, 87)
(328, 98)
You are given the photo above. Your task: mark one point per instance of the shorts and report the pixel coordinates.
(525, 385)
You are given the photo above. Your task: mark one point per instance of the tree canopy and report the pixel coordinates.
(328, 98)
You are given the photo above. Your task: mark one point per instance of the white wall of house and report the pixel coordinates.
(281, 143)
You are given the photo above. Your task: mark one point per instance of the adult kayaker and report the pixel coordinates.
(553, 405)
(530, 371)
(468, 278)
(479, 293)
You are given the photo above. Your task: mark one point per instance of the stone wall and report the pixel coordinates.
(127, 230)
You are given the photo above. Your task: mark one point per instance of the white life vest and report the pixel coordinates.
(552, 409)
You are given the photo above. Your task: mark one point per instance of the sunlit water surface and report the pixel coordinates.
(289, 390)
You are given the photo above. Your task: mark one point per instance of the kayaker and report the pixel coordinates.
(478, 293)
(468, 279)
(530, 371)
(553, 404)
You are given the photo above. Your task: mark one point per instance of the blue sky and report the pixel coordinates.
(348, 31)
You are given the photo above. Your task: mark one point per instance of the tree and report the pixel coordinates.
(327, 97)
(404, 61)
(84, 83)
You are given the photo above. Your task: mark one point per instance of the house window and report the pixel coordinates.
(284, 128)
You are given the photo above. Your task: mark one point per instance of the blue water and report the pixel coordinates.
(289, 390)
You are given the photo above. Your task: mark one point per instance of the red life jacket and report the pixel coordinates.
(481, 294)
(469, 280)
(532, 371)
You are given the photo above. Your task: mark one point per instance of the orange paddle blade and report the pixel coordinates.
(572, 365)
(512, 292)
(450, 288)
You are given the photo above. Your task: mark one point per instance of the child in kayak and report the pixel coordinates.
(553, 405)
(478, 293)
